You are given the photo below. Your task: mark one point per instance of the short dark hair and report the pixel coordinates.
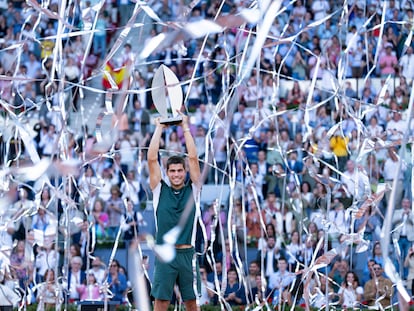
(175, 160)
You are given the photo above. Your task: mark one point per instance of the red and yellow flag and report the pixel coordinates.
(113, 77)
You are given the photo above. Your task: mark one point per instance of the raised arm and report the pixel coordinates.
(193, 163)
(152, 156)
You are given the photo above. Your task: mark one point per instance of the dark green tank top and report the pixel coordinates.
(170, 208)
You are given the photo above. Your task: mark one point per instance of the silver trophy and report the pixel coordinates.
(167, 93)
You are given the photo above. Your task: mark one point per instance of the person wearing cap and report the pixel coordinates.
(388, 61)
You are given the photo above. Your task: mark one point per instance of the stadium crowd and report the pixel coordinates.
(304, 161)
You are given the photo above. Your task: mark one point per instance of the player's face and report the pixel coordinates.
(176, 173)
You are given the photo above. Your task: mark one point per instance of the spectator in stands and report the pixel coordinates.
(320, 9)
(379, 289)
(269, 231)
(269, 256)
(403, 224)
(407, 64)
(307, 197)
(19, 264)
(280, 283)
(130, 188)
(219, 154)
(254, 222)
(395, 127)
(90, 290)
(356, 181)
(41, 220)
(98, 270)
(48, 141)
(48, 295)
(74, 251)
(115, 209)
(207, 288)
(133, 221)
(295, 95)
(409, 265)
(338, 272)
(203, 116)
(76, 277)
(377, 254)
(234, 293)
(388, 61)
(117, 282)
(321, 288)
(101, 220)
(139, 121)
(242, 120)
(293, 251)
(374, 130)
(200, 142)
(99, 37)
(390, 172)
(254, 180)
(173, 144)
(216, 273)
(350, 292)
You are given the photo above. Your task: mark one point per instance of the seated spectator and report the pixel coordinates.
(395, 127)
(76, 277)
(9, 299)
(379, 289)
(254, 222)
(295, 95)
(117, 282)
(338, 272)
(98, 270)
(350, 292)
(280, 283)
(41, 220)
(388, 61)
(46, 259)
(19, 264)
(261, 292)
(234, 293)
(269, 256)
(133, 221)
(207, 294)
(216, 273)
(319, 292)
(90, 289)
(48, 296)
(254, 270)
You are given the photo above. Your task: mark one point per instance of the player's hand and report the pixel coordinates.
(184, 122)
(158, 123)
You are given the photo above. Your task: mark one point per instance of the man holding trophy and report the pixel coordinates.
(176, 214)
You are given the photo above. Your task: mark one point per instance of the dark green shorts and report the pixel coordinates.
(179, 271)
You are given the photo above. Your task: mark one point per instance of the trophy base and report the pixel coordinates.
(171, 121)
